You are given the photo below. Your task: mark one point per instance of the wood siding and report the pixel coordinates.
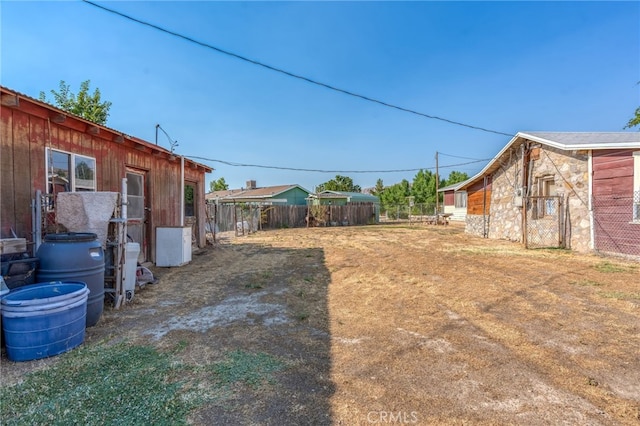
(613, 172)
(477, 201)
(449, 198)
(612, 202)
(29, 128)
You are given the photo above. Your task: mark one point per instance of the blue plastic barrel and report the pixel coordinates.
(75, 256)
(43, 320)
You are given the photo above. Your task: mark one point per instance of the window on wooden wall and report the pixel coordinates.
(636, 187)
(189, 200)
(460, 199)
(69, 172)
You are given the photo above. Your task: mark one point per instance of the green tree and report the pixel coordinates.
(84, 104)
(395, 194)
(456, 177)
(635, 121)
(339, 183)
(377, 190)
(218, 185)
(423, 188)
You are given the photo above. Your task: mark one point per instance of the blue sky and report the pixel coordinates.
(503, 66)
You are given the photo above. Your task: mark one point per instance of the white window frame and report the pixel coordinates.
(75, 184)
(460, 199)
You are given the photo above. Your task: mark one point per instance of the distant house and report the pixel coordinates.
(343, 198)
(292, 195)
(548, 189)
(46, 150)
(455, 201)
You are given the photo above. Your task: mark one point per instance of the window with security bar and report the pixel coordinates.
(546, 202)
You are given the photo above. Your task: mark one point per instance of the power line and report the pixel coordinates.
(290, 74)
(456, 156)
(295, 169)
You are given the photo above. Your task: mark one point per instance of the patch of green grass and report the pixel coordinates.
(252, 369)
(259, 280)
(308, 279)
(303, 315)
(587, 283)
(253, 286)
(608, 267)
(620, 295)
(101, 384)
(180, 346)
(126, 384)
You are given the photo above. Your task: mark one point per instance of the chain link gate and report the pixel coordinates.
(544, 227)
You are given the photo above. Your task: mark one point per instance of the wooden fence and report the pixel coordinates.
(230, 217)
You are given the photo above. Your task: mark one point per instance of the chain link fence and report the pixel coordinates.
(419, 212)
(617, 224)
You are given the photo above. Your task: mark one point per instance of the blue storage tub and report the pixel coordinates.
(43, 320)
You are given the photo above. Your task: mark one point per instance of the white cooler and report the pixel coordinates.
(130, 268)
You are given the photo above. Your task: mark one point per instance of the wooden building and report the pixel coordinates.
(554, 189)
(454, 201)
(616, 194)
(289, 195)
(45, 149)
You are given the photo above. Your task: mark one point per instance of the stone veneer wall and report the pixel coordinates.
(506, 217)
(570, 171)
(571, 175)
(474, 224)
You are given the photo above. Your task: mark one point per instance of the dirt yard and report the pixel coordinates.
(398, 324)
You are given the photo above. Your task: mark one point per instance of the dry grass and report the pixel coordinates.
(419, 324)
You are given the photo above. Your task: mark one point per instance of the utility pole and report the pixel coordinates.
(437, 183)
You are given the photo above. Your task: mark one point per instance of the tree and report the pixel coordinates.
(456, 177)
(340, 183)
(423, 188)
(395, 194)
(635, 121)
(377, 190)
(218, 185)
(85, 105)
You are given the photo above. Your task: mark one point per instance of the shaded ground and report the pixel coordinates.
(397, 324)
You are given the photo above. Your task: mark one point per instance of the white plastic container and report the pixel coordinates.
(130, 268)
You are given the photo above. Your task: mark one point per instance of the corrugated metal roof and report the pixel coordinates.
(565, 141)
(345, 194)
(585, 140)
(257, 193)
(454, 187)
(136, 140)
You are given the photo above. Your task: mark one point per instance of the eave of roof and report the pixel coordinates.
(264, 193)
(453, 187)
(117, 136)
(566, 141)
